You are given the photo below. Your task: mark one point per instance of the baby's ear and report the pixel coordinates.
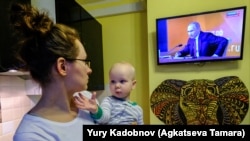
(134, 83)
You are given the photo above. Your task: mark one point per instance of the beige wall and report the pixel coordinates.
(164, 8)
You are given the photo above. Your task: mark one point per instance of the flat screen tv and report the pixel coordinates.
(172, 35)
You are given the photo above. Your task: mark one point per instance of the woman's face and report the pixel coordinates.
(79, 71)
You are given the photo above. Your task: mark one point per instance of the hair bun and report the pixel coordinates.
(29, 21)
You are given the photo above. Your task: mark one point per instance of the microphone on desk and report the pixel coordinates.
(171, 50)
(167, 54)
(180, 45)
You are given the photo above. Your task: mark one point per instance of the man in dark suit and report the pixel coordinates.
(202, 44)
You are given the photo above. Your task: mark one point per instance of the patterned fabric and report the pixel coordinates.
(224, 101)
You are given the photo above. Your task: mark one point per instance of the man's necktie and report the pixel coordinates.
(196, 48)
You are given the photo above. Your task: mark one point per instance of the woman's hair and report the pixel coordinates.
(40, 41)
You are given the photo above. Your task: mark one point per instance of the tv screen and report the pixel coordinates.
(221, 36)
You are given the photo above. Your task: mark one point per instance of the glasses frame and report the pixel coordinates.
(86, 61)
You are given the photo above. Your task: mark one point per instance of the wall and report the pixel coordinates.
(17, 96)
(164, 8)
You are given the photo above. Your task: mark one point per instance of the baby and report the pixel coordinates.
(117, 108)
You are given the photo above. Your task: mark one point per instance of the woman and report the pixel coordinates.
(56, 59)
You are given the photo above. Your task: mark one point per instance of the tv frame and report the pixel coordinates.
(176, 45)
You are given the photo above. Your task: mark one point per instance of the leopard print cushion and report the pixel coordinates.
(224, 101)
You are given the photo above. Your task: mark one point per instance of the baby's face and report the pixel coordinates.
(121, 81)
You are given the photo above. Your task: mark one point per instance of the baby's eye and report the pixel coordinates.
(123, 81)
(112, 81)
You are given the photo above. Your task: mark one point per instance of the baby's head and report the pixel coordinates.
(122, 79)
(122, 69)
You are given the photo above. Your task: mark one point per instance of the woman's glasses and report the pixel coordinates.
(87, 62)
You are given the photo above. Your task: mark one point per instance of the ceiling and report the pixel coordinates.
(100, 8)
(94, 2)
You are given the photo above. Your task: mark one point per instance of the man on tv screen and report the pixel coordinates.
(202, 44)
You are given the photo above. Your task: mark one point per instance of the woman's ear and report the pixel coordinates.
(61, 66)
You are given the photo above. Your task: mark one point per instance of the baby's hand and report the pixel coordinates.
(85, 103)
